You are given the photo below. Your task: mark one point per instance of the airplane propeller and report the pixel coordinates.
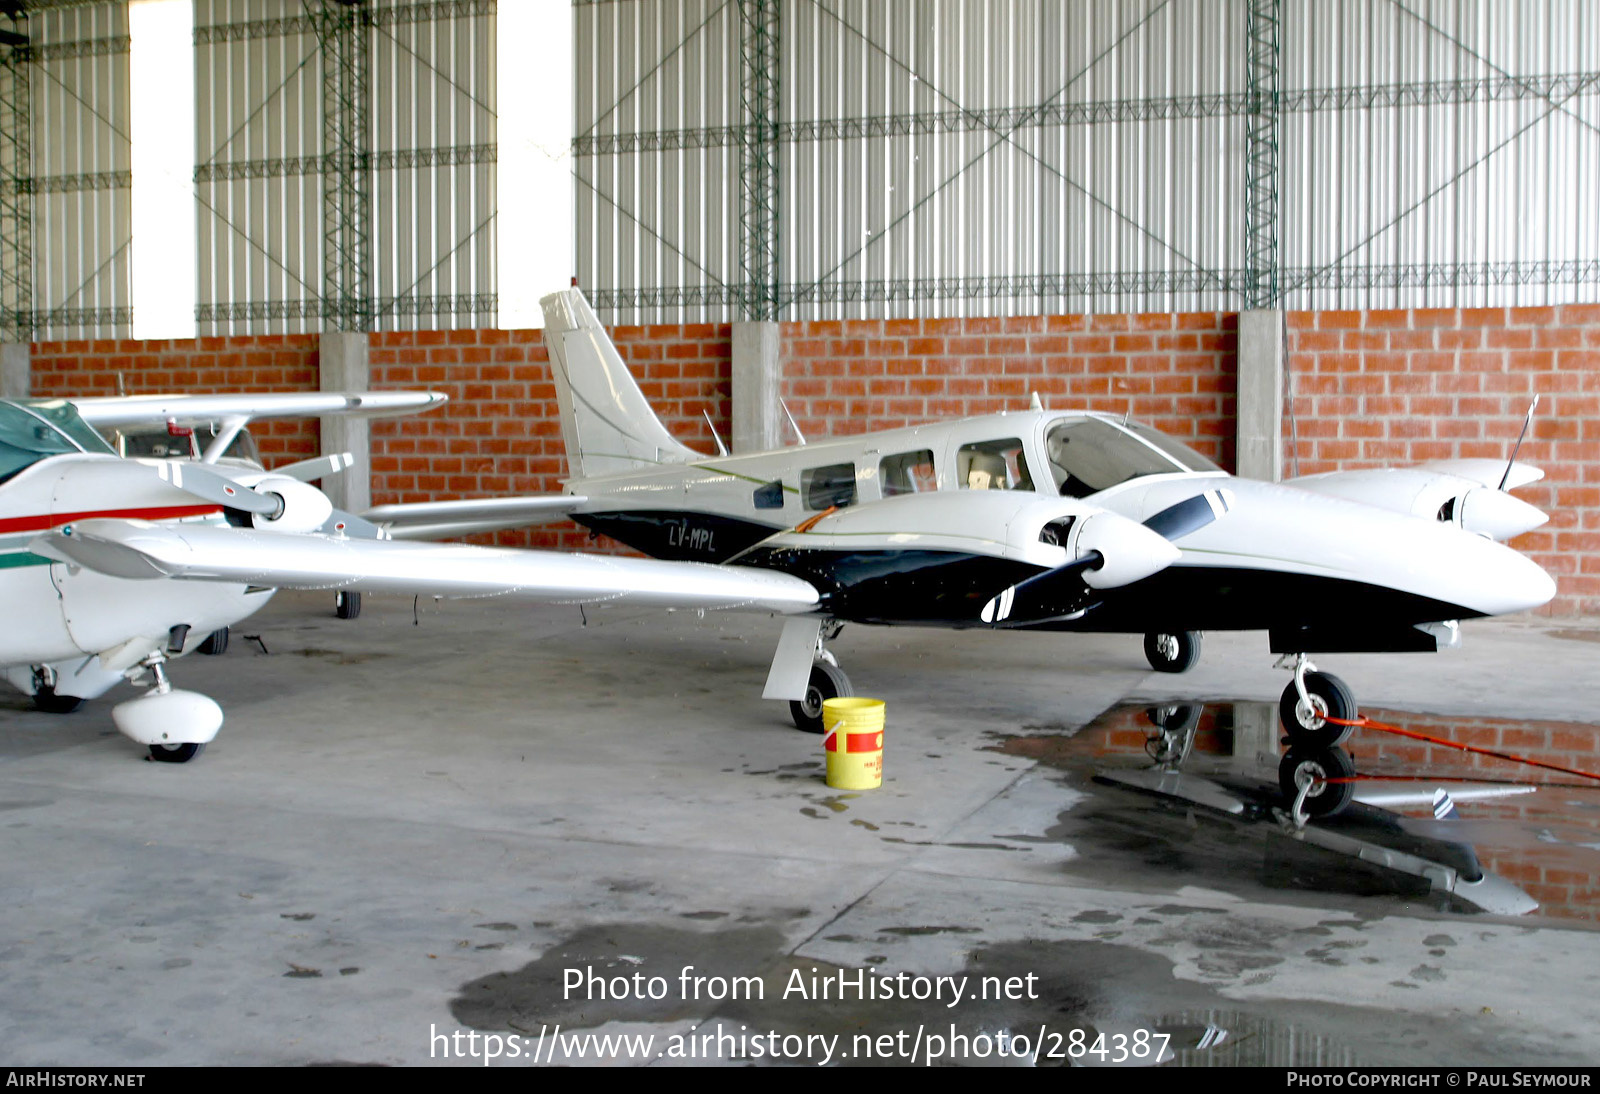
(277, 501)
(1112, 551)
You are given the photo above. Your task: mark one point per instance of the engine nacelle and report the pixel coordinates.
(1432, 494)
(303, 507)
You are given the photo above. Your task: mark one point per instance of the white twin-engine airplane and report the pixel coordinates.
(1041, 520)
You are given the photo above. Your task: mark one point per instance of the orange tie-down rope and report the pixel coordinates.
(1367, 723)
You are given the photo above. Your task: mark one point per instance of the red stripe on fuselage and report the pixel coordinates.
(55, 520)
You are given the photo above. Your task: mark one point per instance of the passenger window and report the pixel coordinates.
(908, 473)
(770, 496)
(993, 465)
(829, 487)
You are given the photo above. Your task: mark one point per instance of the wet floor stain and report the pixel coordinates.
(609, 973)
(1533, 849)
(1028, 1002)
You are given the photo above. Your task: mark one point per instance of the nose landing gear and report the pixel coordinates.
(1308, 702)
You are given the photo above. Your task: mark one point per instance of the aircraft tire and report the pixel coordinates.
(1331, 697)
(1330, 799)
(47, 701)
(175, 754)
(347, 605)
(216, 643)
(827, 682)
(1172, 651)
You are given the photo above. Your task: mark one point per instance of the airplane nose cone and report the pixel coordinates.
(1498, 515)
(1131, 551)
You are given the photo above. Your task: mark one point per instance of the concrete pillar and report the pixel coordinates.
(16, 376)
(757, 421)
(1260, 404)
(342, 357)
(1255, 729)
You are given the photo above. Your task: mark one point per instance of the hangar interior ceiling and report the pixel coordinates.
(807, 159)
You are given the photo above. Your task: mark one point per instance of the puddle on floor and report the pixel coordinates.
(1195, 789)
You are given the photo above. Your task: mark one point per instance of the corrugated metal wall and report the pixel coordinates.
(936, 157)
(946, 157)
(78, 81)
(1441, 153)
(261, 166)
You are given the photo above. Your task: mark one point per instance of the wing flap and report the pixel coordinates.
(142, 550)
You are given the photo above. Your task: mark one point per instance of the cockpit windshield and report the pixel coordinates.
(31, 431)
(1088, 455)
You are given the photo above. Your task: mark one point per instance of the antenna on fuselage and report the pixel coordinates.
(1035, 403)
(799, 436)
(722, 449)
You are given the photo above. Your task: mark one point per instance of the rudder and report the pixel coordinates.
(606, 422)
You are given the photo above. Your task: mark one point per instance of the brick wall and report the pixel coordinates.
(1371, 388)
(1396, 387)
(1174, 371)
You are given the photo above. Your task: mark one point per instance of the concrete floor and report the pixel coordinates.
(405, 831)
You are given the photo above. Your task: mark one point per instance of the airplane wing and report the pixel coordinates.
(191, 552)
(112, 412)
(447, 519)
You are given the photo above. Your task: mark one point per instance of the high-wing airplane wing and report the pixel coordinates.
(142, 550)
(112, 412)
(447, 519)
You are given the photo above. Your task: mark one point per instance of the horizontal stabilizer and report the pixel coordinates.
(139, 549)
(467, 516)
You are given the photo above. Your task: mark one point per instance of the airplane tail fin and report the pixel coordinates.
(606, 422)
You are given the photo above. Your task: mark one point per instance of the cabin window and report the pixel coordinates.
(833, 486)
(908, 473)
(993, 465)
(32, 432)
(770, 496)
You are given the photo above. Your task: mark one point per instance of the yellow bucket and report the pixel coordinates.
(853, 735)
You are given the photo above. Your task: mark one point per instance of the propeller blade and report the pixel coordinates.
(1189, 515)
(321, 467)
(1054, 594)
(213, 486)
(340, 523)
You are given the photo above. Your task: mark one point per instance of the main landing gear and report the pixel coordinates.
(45, 696)
(828, 681)
(1172, 652)
(1308, 702)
